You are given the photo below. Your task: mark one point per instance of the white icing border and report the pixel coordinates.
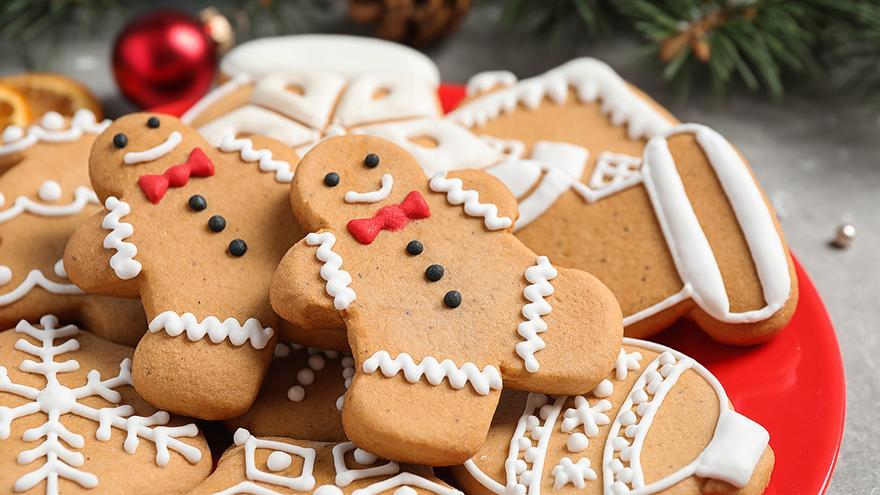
(48, 130)
(123, 263)
(483, 381)
(456, 195)
(82, 196)
(539, 276)
(338, 280)
(217, 331)
(245, 149)
(35, 278)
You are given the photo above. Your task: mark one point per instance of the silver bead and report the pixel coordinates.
(845, 235)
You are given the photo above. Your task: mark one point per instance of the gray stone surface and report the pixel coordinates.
(817, 156)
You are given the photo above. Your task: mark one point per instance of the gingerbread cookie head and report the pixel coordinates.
(440, 300)
(70, 421)
(195, 231)
(43, 197)
(659, 423)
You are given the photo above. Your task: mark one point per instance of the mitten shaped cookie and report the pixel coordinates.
(669, 216)
(440, 301)
(195, 232)
(284, 465)
(70, 422)
(43, 197)
(660, 423)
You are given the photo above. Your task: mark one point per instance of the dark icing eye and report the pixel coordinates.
(216, 223)
(120, 140)
(153, 122)
(452, 299)
(434, 273)
(237, 247)
(371, 160)
(414, 248)
(331, 179)
(197, 202)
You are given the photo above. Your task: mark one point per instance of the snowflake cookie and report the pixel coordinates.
(44, 195)
(278, 465)
(658, 423)
(195, 231)
(70, 422)
(440, 301)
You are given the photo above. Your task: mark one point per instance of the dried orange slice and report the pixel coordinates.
(46, 92)
(14, 109)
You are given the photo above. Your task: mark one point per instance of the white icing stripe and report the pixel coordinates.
(372, 196)
(484, 81)
(482, 381)
(217, 331)
(590, 79)
(214, 96)
(346, 476)
(123, 263)
(529, 426)
(539, 287)
(403, 481)
(245, 148)
(456, 195)
(304, 482)
(50, 130)
(82, 196)
(156, 152)
(691, 251)
(35, 278)
(338, 280)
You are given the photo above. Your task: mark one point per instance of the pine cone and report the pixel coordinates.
(417, 22)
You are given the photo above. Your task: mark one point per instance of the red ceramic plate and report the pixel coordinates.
(793, 385)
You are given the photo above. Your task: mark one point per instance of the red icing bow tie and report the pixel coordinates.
(392, 217)
(197, 165)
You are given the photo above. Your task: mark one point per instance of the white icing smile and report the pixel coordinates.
(154, 153)
(372, 196)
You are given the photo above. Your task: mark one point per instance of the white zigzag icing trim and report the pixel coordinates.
(338, 280)
(539, 277)
(123, 262)
(50, 129)
(229, 329)
(590, 79)
(435, 371)
(456, 195)
(245, 148)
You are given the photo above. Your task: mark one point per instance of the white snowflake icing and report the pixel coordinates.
(591, 417)
(575, 473)
(626, 362)
(55, 400)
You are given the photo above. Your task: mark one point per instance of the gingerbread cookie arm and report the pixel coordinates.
(89, 264)
(491, 191)
(309, 288)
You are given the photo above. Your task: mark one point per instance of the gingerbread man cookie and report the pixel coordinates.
(70, 422)
(669, 216)
(278, 465)
(43, 197)
(439, 300)
(195, 232)
(659, 423)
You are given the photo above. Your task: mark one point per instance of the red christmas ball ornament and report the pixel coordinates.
(164, 59)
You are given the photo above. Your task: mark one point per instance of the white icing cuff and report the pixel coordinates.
(338, 280)
(245, 149)
(483, 381)
(735, 450)
(218, 331)
(123, 263)
(539, 287)
(456, 195)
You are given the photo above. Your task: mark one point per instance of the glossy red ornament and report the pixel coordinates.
(164, 57)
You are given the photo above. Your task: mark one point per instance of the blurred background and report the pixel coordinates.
(794, 83)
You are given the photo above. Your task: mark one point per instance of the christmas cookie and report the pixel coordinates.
(669, 216)
(440, 301)
(70, 422)
(277, 465)
(43, 197)
(302, 395)
(299, 107)
(194, 231)
(659, 423)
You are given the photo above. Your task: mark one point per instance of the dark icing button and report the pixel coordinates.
(414, 248)
(216, 223)
(197, 202)
(331, 179)
(153, 122)
(434, 273)
(120, 140)
(237, 247)
(452, 299)
(371, 160)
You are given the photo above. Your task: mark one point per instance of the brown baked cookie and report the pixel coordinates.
(302, 395)
(195, 232)
(659, 423)
(278, 465)
(43, 197)
(70, 422)
(439, 299)
(669, 216)
(298, 108)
